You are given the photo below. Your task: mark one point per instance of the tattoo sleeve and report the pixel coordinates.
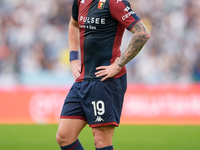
(140, 37)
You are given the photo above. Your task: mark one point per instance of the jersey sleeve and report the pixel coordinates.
(121, 11)
(75, 10)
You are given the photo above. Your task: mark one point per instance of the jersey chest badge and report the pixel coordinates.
(101, 4)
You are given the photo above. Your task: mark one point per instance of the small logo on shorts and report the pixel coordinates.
(99, 119)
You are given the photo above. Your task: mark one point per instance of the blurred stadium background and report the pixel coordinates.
(34, 42)
(163, 80)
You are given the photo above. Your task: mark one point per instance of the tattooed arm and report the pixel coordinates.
(140, 37)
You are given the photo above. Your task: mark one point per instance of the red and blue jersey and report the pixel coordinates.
(102, 24)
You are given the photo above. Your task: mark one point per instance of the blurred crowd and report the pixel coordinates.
(34, 42)
(172, 55)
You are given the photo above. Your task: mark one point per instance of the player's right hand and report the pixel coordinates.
(108, 71)
(76, 68)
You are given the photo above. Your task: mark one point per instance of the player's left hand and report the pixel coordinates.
(108, 71)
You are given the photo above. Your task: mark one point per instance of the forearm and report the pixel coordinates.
(74, 40)
(140, 37)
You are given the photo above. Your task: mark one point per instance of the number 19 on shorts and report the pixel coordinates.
(99, 107)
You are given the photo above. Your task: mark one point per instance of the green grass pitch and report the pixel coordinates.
(126, 137)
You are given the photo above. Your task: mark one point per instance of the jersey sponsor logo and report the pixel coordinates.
(127, 15)
(99, 119)
(82, 1)
(101, 4)
(88, 27)
(92, 20)
(127, 9)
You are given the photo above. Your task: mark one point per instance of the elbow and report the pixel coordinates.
(147, 36)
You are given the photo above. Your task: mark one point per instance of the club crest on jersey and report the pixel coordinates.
(101, 4)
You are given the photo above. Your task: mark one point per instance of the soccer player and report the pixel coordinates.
(96, 97)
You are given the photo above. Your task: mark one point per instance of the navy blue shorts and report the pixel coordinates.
(99, 103)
